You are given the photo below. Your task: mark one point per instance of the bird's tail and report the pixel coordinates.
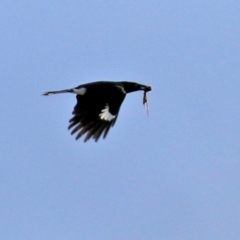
(56, 92)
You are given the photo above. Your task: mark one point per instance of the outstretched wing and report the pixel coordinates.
(96, 111)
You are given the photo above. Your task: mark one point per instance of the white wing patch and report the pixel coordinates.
(80, 91)
(106, 115)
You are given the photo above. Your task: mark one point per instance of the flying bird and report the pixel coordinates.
(98, 105)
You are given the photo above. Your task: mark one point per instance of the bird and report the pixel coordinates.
(98, 105)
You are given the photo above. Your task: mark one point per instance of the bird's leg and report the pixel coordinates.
(56, 92)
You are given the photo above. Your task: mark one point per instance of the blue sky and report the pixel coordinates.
(172, 176)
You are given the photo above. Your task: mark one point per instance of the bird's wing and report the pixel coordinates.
(95, 114)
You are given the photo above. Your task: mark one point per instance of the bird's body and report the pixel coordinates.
(98, 105)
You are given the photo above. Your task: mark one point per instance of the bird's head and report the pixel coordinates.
(132, 87)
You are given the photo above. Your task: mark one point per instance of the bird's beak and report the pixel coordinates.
(147, 88)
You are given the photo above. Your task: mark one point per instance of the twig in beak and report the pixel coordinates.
(145, 99)
(145, 103)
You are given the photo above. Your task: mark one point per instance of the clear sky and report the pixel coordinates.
(172, 176)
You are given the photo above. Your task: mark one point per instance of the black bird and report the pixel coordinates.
(98, 105)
